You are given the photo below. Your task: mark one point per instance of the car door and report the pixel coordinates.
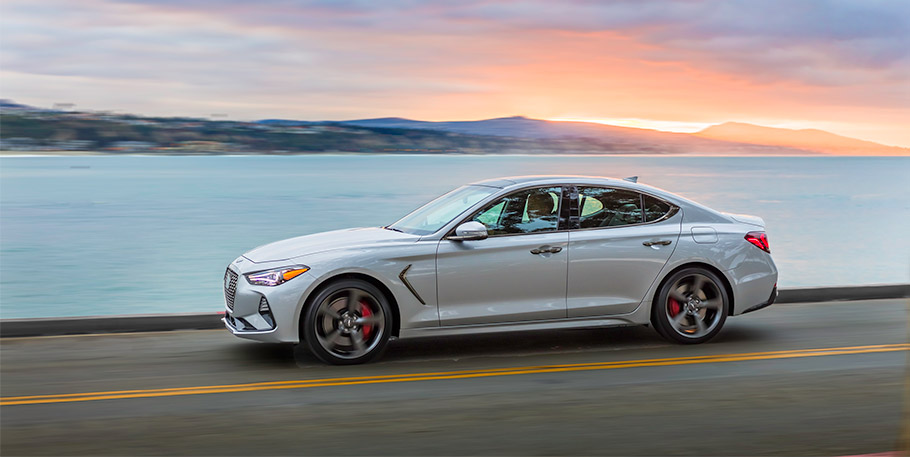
(516, 274)
(617, 250)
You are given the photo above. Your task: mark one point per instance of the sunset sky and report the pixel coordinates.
(841, 66)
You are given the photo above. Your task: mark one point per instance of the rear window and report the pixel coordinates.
(655, 209)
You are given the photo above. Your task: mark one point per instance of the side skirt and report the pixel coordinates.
(552, 324)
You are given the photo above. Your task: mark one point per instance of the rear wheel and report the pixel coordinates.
(691, 306)
(348, 322)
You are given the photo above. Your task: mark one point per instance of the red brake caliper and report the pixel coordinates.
(673, 306)
(365, 312)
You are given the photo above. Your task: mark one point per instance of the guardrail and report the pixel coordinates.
(10, 328)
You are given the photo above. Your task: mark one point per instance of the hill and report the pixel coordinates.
(810, 139)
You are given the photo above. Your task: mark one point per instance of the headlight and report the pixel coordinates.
(276, 276)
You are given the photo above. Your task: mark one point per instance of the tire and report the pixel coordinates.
(691, 306)
(348, 322)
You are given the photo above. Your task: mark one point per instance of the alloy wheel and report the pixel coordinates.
(349, 323)
(694, 305)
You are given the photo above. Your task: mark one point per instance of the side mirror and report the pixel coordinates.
(469, 231)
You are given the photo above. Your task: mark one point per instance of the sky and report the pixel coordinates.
(841, 66)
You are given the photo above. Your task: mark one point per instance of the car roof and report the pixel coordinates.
(547, 179)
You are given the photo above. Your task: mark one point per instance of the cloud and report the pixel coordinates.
(831, 60)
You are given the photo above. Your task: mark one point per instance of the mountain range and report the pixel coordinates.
(29, 128)
(726, 138)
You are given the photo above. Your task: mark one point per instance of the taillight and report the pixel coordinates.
(760, 240)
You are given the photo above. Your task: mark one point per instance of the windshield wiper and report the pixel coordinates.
(387, 227)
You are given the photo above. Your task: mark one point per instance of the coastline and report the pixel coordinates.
(60, 154)
(137, 323)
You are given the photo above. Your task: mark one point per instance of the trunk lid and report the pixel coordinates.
(747, 219)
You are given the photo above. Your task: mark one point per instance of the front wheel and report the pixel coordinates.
(691, 306)
(347, 323)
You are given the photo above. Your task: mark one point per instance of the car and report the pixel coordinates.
(518, 253)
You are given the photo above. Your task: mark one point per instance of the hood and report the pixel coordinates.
(325, 241)
(747, 219)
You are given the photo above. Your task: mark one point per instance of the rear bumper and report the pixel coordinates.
(766, 304)
(752, 281)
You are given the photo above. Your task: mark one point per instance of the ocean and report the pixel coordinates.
(103, 235)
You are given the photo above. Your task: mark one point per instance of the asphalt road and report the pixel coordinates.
(761, 387)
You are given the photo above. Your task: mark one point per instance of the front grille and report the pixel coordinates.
(230, 288)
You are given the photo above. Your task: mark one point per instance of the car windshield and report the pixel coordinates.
(431, 217)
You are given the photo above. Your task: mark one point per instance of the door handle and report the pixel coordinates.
(657, 243)
(546, 249)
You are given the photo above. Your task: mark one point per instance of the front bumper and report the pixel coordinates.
(263, 313)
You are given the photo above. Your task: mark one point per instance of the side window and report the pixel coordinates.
(655, 209)
(525, 211)
(490, 217)
(606, 207)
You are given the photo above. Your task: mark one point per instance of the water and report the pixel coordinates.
(99, 235)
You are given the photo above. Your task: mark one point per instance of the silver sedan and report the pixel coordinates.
(523, 253)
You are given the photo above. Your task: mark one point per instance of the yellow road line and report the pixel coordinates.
(434, 376)
(707, 358)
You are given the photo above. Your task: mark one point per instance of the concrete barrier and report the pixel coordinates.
(820, 294)
(10, 328)
(109, 324)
